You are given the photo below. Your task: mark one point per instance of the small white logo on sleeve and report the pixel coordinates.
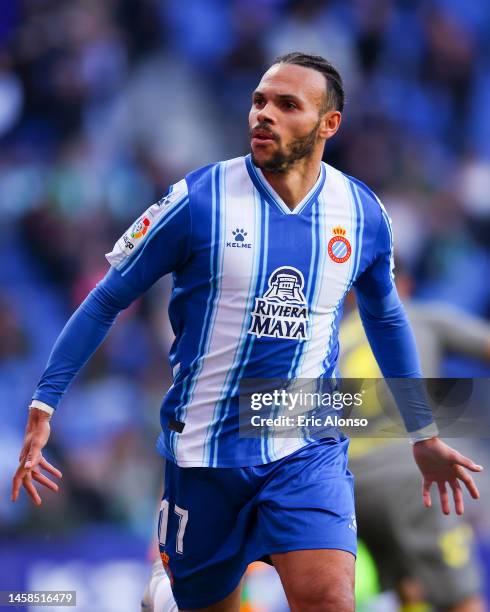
(353, 523)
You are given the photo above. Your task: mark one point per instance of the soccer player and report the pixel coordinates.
(263, 250)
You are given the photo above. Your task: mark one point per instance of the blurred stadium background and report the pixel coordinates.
(102, 105)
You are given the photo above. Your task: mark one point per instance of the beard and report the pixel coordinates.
(282, 160)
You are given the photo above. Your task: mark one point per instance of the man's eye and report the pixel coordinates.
(290, 105)
(258, 101)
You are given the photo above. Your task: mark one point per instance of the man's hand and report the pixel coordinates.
(31, 460)
(441, 464)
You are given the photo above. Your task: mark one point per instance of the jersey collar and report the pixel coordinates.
(269, 193)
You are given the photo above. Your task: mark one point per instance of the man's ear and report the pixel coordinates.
(329, 124)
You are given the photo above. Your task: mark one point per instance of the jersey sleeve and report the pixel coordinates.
(157, 243)
(82, 334)
(378, 279)
(391, 338)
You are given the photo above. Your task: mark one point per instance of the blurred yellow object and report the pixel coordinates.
(456, 545)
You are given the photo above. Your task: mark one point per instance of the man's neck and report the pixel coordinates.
(293, 185)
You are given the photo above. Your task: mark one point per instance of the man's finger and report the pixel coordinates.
(426, 493)
(44, 480)
(467, 462)
(468, 481)
(16, 484)
(444, 497)
(458, 497)
(31, 489)
(50, 468)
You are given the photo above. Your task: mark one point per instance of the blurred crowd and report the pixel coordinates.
(104, 104)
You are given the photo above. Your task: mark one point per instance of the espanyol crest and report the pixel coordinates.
(339, 248)
(282, 312)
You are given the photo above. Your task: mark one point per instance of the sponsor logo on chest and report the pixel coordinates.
(282, 312)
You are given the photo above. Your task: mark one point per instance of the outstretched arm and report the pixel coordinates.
(80, 337)
(157, 243)
(393, 345)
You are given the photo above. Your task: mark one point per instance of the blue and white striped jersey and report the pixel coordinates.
(258, 291)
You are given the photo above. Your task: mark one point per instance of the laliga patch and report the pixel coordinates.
(142, 225)
(132, 238)
(135, 237)
(136, 232)
(282, 312)
(140, 228)
(339, 248)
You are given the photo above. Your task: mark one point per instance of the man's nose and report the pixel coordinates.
(266, 114)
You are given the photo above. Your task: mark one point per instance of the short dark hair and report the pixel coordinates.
(335, 96)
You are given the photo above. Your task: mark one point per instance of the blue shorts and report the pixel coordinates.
(215, 521)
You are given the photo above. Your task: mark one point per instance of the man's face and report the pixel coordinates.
(285, 117)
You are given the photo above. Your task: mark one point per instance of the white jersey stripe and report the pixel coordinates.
(336, 212)
(249, 218)
(349, 276)
(211, 307)
(229, 313)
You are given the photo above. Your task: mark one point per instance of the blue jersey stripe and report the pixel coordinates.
(211, 304)
(388, 223)
(311, 288)
(221, 194)
(263, 275)
(360, 230)
(322, 255)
